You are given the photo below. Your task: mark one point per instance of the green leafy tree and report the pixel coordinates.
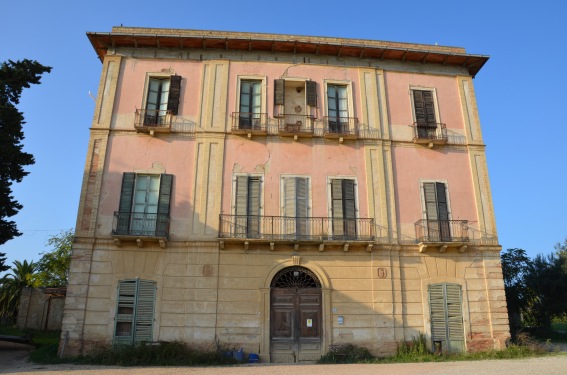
(14, 77)
(53, 267)
(3, 267)
(515, 266)
(21, 275)
(546, 281)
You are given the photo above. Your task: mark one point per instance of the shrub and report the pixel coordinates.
(346, 353)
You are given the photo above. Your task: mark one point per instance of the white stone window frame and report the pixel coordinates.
(435, 101)
(350, 96)
(150, 75)
(233, 193)
(260, 78)
(282, 192)
(422, 197)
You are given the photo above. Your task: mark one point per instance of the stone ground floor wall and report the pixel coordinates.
(206, 294)
(39, 309)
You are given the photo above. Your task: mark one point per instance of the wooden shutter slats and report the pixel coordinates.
(311, 92)
(174, 94)
(279, 91)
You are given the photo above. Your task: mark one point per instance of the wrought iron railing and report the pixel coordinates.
(296, 228)
(248, 121)
(295, 124)
(152, 118)
(429, 131)
(442, 230)
(345, 126)
(140, 224)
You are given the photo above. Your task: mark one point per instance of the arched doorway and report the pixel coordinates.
(295, 316)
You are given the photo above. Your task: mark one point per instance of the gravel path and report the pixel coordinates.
(13, 360)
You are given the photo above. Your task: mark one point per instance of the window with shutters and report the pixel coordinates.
(295, 207)
(340, 118)
(295, 103)
(427, 127)
(446, 312)
(343, 208)
(161, 101)
(144, 205)
(250, 105)
(135, 306)
(247, 206)
(437, 211)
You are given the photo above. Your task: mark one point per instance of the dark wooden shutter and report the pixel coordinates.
(311, 88)
(174, 94)
(279, 91)
(424, 107)
(442, 207)
(253, 226)
(164, 203)
(349, 210)
(337, 206)
(145, 305)
(241, 206)
(125, 205)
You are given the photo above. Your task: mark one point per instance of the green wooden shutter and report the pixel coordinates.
(442, 207)
(430, 201)
(253, 226)
(241, 205)
(279, 91)
(337, 206)
(125, 306)
(311, 88)
(164, 203)
(301, 204)
(174, 94)
(125, 205)
(445, 305)
(145, 305)
(349, 210)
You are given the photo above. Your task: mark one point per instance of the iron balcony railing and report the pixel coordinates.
(340, 126)
(246, 121)
(442, 230)
(429, 132)
(139, 224)
(296, 228)
(153, 118)
(295, 124)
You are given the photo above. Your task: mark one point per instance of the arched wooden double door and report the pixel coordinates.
(295, 316)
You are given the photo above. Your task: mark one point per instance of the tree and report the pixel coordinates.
(3, 267)
(53, 267)
(14, 77)
(21, 275)
(515, 265)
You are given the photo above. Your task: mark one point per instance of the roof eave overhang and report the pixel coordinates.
(101, 42)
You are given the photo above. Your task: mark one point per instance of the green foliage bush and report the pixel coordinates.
(346, 353)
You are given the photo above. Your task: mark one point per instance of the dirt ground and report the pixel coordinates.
(13, 360)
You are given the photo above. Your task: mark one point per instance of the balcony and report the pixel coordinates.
(340, 127)
(442, 234)
(140, 227)
(307, 230)
(153, 121)
(295, 126)
(429, 133)
(249, 123)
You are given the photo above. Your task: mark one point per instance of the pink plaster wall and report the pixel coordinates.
(130, 88)
(317, 161)
(413, 164)
(138, 152)
(399, 100)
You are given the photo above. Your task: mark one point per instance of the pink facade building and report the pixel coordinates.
(283, 194)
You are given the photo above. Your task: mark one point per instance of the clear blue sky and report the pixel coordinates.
(521, 91)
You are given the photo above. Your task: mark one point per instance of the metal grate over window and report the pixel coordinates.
(295, 277)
